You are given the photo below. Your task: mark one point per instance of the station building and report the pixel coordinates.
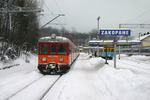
(123, 43)
(145, 40)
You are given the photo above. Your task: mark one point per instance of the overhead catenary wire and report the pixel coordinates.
(48, 7)
(139, 16)
(58, 6)
(52, 14)
(60, 10)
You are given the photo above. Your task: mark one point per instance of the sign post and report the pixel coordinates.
(119, 51)
(115, 45)
(115, 33)
(106, 56)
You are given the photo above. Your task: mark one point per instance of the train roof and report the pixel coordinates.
(56, 39)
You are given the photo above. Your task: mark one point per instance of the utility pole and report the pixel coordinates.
(11, 10)
(20, 9)
(98, 18)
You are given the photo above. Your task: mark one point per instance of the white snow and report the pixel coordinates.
(88, 79)
(34, 91)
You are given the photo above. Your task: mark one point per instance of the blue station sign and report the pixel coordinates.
(109, 32)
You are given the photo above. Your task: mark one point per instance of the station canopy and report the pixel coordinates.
(111, 42)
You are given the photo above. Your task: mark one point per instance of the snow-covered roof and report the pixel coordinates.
(56, 39)
(50, 39)
(99, 41)
(110, 42)
(144, 36)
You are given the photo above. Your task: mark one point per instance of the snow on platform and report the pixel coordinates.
(88, 79)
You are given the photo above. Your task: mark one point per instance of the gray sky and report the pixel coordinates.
(81, 15)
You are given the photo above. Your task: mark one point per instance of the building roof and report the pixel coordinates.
(144, 36)
(110, 42)
(98, 41)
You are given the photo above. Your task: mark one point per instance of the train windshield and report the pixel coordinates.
(62, 49)
(52, 48)
(43, 48)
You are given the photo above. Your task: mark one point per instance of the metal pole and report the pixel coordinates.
(119, 39)
(115, 53)
(119, 51)
(139, 49)
(140, 44)
(106, 56)
(98, 18)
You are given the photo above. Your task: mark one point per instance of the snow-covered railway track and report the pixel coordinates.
(45, 93)
(34, 81)
(9, 66)
(37, 90)
(16, 83)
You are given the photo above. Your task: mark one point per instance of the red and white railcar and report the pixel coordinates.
(56, 54)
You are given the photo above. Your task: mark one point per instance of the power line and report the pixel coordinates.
(134, 26)
(11, 10)
(139, 16)
(48, 7)
(146, 26)
(52, 20)
(20, 9)
(56, 15)
(58, 6)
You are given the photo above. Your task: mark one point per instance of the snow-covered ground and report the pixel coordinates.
(88, 79)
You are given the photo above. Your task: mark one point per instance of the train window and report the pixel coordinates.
(53, 49)
(112, 50)
(105, 50)
(62, 49)
(108, 49)
(43, 48)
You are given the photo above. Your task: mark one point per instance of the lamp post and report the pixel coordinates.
(98, 18)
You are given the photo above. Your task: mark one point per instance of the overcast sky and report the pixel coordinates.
(81, 15)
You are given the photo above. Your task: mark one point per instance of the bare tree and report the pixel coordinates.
(19, 28)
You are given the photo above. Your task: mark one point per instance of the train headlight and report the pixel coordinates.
(61, 59)
(44, 59)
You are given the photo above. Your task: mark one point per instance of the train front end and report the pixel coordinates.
(53, 57)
